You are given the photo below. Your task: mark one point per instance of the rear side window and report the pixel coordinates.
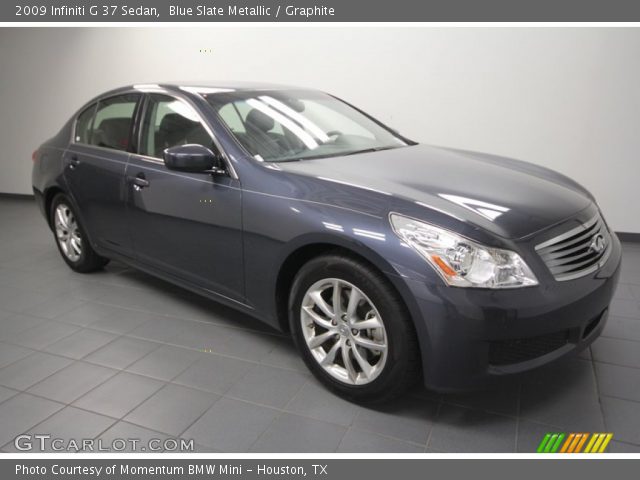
(113, 121)
(83, 125)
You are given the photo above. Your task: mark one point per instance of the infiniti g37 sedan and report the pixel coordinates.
(388, 261)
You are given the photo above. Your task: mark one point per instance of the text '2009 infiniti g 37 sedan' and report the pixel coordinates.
(388, 261)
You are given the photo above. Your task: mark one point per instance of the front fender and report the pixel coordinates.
(317, 231)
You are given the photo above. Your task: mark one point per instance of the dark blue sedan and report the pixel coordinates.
(388, 261)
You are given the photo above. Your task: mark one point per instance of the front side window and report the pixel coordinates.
(113, 121)
(169, 122)
(283, 125)
(83, 125)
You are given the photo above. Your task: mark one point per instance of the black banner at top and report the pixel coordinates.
(319, 11)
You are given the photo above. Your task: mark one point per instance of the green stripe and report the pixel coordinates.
(543, 443)
(558, 443)
(550, 443)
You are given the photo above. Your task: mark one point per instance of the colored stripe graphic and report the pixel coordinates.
(569, 441)
(555, 447)
(550, 443)
(605, 443)
(598, 443)
(591, 442)
(581, 443)
(577, 443)
(557, 442)
(543, 443)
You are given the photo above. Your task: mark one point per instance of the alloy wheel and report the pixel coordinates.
(344, 331)
(68, 232)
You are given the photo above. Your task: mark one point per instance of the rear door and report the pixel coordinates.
(186, 224)
(95, 165)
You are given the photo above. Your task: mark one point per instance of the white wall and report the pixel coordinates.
(566, 98)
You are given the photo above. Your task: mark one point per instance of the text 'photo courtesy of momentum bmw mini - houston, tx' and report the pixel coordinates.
(390, 262)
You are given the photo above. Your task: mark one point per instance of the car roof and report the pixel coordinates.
(204, 87)
(193, 88)
(232, 85)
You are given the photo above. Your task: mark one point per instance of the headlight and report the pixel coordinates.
(460, 261)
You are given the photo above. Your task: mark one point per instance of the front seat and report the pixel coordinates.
(264, 142)
(174, 130)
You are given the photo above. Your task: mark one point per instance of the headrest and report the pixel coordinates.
(122, 123)
(175, 122)
(260, 120)
(114, 132)
(294, 104)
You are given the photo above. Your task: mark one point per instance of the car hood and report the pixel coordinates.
(509, 198)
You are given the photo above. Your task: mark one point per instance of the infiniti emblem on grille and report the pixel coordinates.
(597, 244)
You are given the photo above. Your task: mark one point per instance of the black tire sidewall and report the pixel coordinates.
(398, 326)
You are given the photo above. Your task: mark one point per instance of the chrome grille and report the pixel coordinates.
(578, 252)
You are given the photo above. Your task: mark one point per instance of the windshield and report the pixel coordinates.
(287, 125)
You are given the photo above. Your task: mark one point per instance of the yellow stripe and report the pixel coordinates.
(591, 442)
(567, 442)
(584, 439)
(605, 442)
(573, 444)
(596, 445)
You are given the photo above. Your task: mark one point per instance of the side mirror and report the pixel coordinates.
(191, 158)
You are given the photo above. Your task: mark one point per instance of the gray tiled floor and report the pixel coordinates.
(119, 354)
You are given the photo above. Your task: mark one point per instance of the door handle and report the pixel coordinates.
(140, 182)
(74, 162)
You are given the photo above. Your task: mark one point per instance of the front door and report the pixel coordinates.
(186, 224)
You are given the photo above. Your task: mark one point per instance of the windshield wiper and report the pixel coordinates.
(368, 150)
(334, 154)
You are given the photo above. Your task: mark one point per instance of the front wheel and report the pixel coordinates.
(353, 330)
(71, 239)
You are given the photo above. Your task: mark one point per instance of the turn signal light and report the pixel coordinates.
(443, 265)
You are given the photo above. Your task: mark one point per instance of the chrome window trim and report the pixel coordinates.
(147, 158)
(142, 91)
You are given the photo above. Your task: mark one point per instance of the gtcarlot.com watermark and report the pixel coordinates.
(45, 443)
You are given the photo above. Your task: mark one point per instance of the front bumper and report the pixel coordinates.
(471, 337)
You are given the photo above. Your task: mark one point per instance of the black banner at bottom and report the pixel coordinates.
(560, 466)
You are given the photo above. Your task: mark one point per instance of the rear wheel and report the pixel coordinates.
(353, 330)
(71, 238)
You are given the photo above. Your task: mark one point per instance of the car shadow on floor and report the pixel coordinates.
(507, 416)
(222, 314)
(201, 307)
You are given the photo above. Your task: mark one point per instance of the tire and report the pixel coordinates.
(71, 239)
(389, 371)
